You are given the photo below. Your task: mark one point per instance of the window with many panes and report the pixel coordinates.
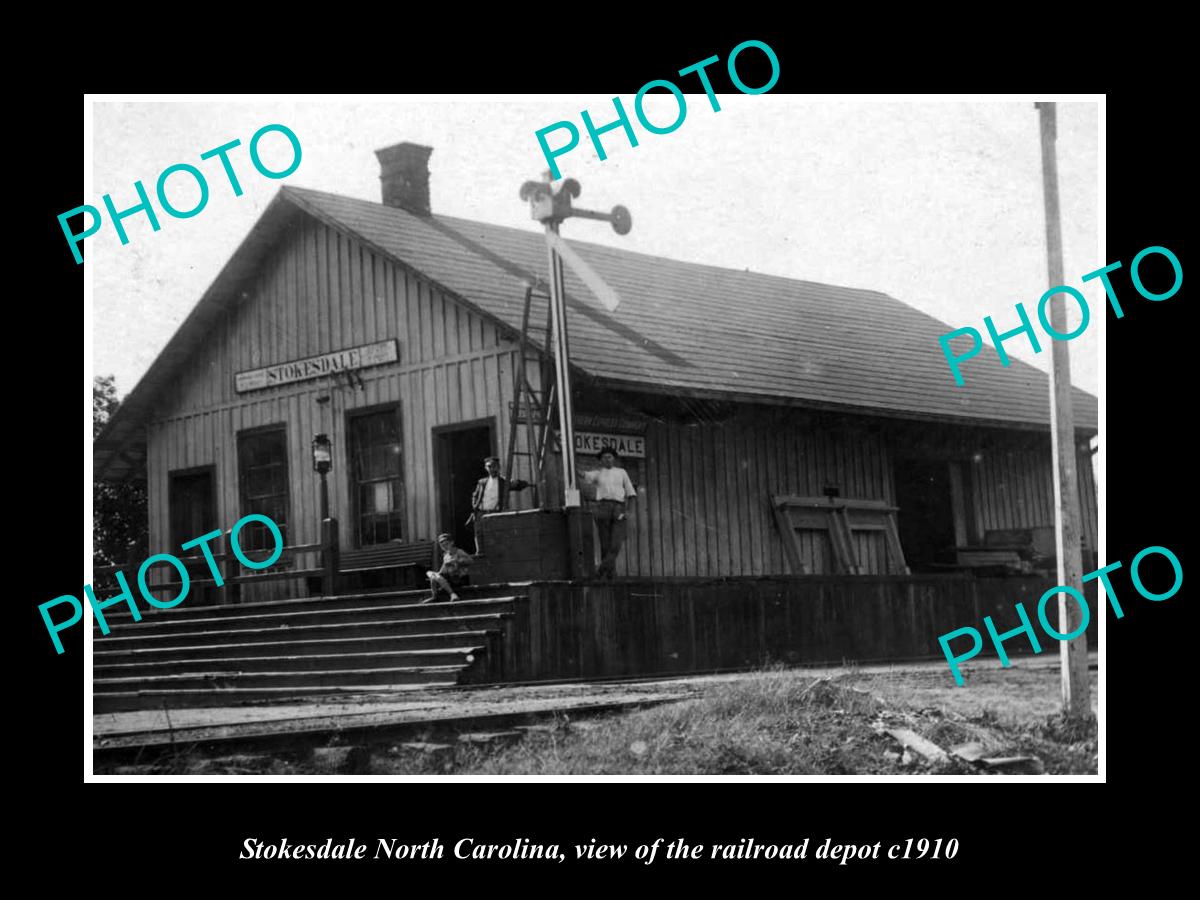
(263, 477)
(377, 476)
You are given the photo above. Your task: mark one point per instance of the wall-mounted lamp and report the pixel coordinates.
(322, 453)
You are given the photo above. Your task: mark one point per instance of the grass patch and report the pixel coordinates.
(768, 723)
(782, 722)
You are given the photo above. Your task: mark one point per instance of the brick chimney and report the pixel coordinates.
(404, 176)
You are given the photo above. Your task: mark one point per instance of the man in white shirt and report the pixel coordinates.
(613, 499)
(490, 500)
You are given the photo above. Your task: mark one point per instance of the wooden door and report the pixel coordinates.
(460, 455)
(191, 502)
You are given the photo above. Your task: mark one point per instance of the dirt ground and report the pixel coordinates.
(775, 722)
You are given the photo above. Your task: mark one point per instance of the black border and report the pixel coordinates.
(128, 834)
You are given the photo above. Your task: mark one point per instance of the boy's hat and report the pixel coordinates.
(444, 537)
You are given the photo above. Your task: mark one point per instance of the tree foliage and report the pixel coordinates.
(120, 520)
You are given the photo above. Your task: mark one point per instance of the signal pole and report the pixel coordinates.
(551, 207)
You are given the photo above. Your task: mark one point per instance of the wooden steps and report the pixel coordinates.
(145, 651)
(119, 615)
(367, 627)
(157, 698)
(216, 656)
(309, 615)
(201, 680)
(241, 665)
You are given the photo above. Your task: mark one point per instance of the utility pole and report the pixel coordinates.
(1076, 695)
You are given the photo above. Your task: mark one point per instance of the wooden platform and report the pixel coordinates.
(542, 631)
(580, 630)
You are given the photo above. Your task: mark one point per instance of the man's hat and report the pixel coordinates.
(488, 459)
(445, 537)
(608, 448)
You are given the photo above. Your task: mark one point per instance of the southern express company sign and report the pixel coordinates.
(317, 366)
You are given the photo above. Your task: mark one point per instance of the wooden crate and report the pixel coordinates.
(536, 545)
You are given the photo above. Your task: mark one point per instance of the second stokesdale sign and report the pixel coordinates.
(632, 445)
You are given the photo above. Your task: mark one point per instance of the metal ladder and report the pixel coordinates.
(536, 408)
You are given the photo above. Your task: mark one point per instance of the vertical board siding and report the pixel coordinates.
(1015, 489)
(705, 509)
(639, 628)
(320, 291)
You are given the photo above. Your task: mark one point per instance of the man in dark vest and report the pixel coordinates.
(491, 495)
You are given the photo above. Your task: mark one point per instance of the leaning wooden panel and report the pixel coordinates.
(787, 535)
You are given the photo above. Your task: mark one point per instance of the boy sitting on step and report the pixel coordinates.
(453, 573)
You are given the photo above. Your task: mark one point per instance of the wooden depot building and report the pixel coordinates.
(812, 485)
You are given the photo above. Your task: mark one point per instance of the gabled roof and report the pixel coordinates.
(681, 327)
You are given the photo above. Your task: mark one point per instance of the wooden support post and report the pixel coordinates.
(329, 555)
(1073, 654)
(582, 563)
(958, 504)
(231, 569)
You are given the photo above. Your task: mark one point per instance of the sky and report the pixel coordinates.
(938, 204)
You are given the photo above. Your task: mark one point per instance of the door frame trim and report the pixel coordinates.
(444, 504)
(211, 471)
